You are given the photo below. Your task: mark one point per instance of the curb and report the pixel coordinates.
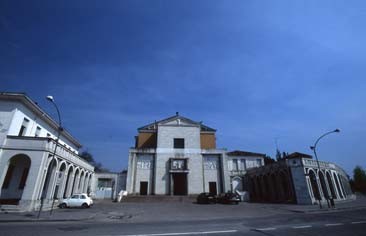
(47, 220)
(325, 210)
(41, 220)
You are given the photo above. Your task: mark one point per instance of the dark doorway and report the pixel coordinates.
(212, 187)
(143, 188)
(180, 184)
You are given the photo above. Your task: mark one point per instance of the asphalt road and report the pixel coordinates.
(333, 223)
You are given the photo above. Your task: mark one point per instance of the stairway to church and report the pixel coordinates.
(158, 198)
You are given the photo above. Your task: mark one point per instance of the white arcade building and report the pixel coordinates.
(29, 171)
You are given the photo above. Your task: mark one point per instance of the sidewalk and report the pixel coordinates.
(133, 212)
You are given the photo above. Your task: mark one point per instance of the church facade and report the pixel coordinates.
(178, 156)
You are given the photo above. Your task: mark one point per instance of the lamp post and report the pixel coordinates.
(59, 130)
(316, 157)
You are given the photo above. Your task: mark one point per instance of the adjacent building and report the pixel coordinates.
(107, 185)
(29, 171)
(297, 179)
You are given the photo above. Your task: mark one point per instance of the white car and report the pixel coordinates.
(77, 200)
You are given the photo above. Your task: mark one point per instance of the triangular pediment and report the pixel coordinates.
(176, 120)
(179, 120)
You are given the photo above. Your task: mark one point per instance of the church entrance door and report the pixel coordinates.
(180, 184)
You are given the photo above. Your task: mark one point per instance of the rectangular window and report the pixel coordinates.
(23, 128)
(259, 162)
(179, 143)
(242, 164)
(24, 178)
(8, 176)
(235, 164)
(38, 131)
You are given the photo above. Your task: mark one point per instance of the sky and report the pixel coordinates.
(257, 71)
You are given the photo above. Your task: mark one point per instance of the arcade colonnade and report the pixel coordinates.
(327, 184)
(31, 175)
(298, 180)
(273, 186)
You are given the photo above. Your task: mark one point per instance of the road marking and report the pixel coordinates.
(302, 227)
(183, 233)
(265, 229)
(335, 224)
(358, 222)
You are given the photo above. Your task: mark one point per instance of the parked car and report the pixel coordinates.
(228, 198)
(206, 198)
(77, 200)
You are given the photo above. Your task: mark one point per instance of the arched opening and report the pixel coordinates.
(237, 184)
(274, 188)
(15, 179)
(323, 184)
(60, 180)
(68, 182)
(337, 184)
(81, 181)
(258, 186)
(253, 192)
(285, 187)
(75, 182)
(267, 194)
(89, 182)
(331, 186)
(314, 185)
(50, 177)
(346, 185)
(341, 184)
(85, 182)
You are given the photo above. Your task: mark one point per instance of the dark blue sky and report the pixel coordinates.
(254, 70)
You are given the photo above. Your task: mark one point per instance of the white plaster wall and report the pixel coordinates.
(166, 135)
(212, 175)
(130, 172)
(7, 110)
(250, 162)
(300, 185)
(22, 112)
(162, 173)
(195, 176)
(144, 173)
(192, 151)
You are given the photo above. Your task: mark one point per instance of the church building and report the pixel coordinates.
(176, 156)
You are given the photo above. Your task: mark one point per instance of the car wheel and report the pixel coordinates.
(84, 205)
(63, 205)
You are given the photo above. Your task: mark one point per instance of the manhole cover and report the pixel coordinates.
(116, 217)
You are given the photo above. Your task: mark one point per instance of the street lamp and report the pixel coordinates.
(316, 157)
(59, 130)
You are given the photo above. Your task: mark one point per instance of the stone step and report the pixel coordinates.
(158, 198)
(10, 208)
